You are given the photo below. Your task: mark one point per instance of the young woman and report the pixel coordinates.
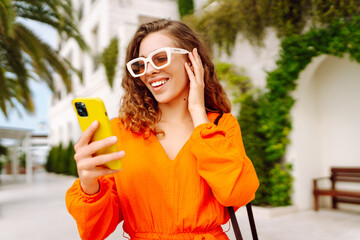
(179, 168)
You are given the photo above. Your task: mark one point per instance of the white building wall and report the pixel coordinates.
(303, 151)
(255, 60)
(338, 86)
(326, 123)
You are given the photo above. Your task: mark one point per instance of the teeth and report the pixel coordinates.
(158, 83)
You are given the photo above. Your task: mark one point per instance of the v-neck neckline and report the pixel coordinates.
(211, 118)
(163, 149)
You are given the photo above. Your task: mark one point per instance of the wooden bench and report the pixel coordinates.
(339, 174)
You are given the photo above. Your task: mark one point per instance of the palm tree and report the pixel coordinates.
(24, 56)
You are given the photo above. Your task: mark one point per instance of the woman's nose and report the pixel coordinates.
(150, 69)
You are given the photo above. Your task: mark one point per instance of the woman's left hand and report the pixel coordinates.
(196, 102)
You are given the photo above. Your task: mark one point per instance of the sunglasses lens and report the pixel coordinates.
(138, 67)
(160, 59)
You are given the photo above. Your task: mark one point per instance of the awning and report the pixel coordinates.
(23, 136)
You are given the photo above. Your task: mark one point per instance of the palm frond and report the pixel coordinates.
(24, 56)
(32, 45)
(57, 14)
(16, 63)
(7, 17)
(4, 95)
(58, 64)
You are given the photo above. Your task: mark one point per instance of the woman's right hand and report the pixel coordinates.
(89, 166)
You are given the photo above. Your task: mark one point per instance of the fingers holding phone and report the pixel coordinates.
(85, 149)
(91, 166)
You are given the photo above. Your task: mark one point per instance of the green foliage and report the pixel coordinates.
(7, 16)
(343, 36)
(222, 20)
(238, 83)
(280, 185)
(186, 7)
(24, 56)
(219, 26)
(254, 142)
(22, 159)
(109, 59)
(49, 160)
(248, 97)
(70, 152)
(328, 11)
(273, 108)
(61, 160)
(3, 150)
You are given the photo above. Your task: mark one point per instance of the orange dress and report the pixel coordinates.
(159, 198)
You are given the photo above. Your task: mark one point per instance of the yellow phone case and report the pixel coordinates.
(87, 111)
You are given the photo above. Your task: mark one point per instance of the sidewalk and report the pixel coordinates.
(37, 212)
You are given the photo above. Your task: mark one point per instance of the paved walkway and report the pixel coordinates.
(37, 212)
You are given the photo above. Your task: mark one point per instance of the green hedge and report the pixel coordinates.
(297, 51)
(61, 160)
(275, 180)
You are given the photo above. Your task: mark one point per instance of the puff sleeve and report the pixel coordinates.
(222, 161)
(97, 215)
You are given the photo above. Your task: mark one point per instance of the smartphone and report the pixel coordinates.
(87, 111)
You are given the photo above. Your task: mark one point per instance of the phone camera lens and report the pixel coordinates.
(81, 109)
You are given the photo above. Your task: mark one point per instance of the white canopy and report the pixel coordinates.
(23, 139)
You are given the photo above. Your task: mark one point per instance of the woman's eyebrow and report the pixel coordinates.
(149, 53)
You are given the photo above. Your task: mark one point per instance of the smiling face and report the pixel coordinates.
(170, 83)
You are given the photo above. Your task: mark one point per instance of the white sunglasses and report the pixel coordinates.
(158, 59)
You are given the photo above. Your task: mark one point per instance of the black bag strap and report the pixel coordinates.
(251, 221)
(234, 223)
(218, 118)
(231, 211)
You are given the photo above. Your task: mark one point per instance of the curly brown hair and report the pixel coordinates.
(139, 110)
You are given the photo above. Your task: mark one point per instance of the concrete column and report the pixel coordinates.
(29, 165)
(14, 160)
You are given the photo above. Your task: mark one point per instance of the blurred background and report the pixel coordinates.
(291, 69)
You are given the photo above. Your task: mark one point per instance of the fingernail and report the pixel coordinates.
(121, 154)
(94, 123)
(113, 139)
